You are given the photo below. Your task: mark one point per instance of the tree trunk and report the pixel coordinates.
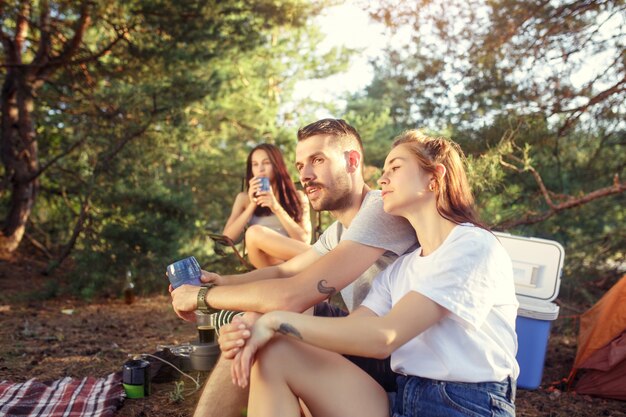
(19, 153)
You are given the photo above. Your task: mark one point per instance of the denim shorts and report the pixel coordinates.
(378, 369)
(425, 397)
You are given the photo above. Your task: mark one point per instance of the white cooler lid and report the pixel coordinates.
(537, 266)
(538, 310)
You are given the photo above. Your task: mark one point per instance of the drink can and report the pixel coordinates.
(185, 271)
(265, 184)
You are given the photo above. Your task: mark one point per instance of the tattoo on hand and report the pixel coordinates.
(322, 288)
(288, 329)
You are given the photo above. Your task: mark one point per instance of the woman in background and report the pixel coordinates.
(277, 221)
(445, 313)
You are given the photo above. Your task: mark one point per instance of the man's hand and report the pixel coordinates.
(234, 335)
(185, 301)
(211, 277)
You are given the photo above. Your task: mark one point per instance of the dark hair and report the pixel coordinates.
(287, 194)
(334, 127)
(455, 200)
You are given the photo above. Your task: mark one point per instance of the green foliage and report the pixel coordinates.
(375, 128)
(503, 79)
(144, 146)
(592, 234)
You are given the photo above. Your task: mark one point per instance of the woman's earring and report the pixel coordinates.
(431, 186)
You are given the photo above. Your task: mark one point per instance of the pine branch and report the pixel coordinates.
(52, 161)
(38, 245)
(21, 28)
(45, 43)
(82, 23)
(578, 111)
(104, 51)
(532, 217)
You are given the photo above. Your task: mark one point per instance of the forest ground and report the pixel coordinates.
(51, 338)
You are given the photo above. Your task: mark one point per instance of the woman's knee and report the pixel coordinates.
(275, 356)
(254, 234)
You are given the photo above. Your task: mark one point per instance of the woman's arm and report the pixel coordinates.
(298, 231)
(362, 333)
(240, 215)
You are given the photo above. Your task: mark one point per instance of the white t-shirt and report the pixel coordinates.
(471, 275)
(372, 227)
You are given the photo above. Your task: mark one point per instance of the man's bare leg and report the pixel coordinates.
(220, 398)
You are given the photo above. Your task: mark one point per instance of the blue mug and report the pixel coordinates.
(265, 184)
(185, 271)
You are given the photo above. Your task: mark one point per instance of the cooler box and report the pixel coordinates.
(537, 266)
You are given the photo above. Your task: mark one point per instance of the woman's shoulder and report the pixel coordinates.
(467, 248)
(467, 230)
(242, 198)
(473, 237)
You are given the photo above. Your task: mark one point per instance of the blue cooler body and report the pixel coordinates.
(537, 266)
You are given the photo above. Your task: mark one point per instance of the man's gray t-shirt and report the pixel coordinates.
(372, 227)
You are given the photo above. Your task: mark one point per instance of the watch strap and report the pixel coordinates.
(203, 305)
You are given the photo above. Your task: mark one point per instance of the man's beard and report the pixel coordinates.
(336, 197)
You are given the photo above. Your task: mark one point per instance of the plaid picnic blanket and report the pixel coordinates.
(67, 397)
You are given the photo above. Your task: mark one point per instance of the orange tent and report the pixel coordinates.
(602, 346)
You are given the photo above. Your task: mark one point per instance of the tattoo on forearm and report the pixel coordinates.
(289, 330)
(323, 289)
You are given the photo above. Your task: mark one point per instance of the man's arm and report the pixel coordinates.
(184, 298)
(332, 272)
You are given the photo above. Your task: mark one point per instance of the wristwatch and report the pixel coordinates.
(203, 306)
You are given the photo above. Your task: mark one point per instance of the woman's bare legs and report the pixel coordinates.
(267, 247)
(327, 383)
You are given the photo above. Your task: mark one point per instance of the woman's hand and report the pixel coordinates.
(254, 189)
(268, 199)
(262, 332)
(234, 334)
